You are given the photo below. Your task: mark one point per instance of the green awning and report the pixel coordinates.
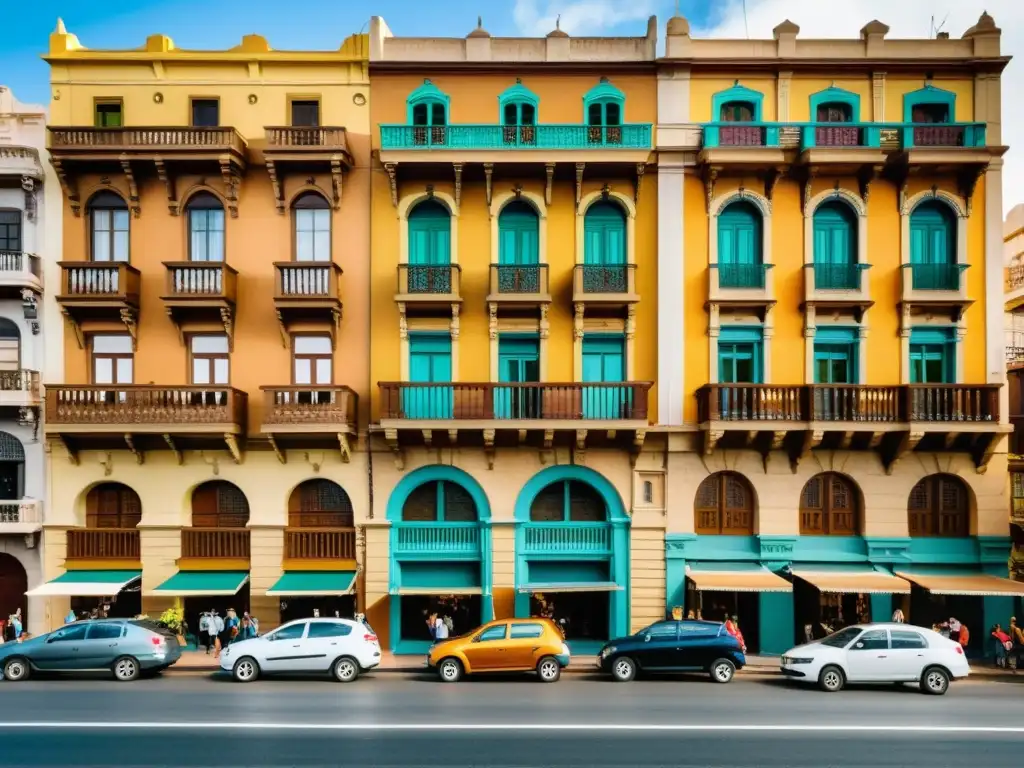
(571, 586)
(202, 583)
(297, 583)
(86, 584)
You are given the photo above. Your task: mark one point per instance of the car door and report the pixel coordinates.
(868, 658)
(908, 651)
(661, 647)
(284, 650)
(525, 639)
(101, 645)
(61, 648)
(326, 641)
(486, 652)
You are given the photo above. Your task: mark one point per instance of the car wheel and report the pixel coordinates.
(346, 669)
(245, 670)
(16, 670)
(450, 671)
(831, 679)
(935, 681)
(722, 671)
(549, 670)
(126, 669)
(623, 669)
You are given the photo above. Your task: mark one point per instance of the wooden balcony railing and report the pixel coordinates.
(320, 544)
(138, 405)
(201, 280)
(740, 135)
(306, 137)
(750, 402)
(103, 544)
(214, 543)
(21, 512)
(533, 401)
(1014, 277)
(306, 280)
(294, 406)
(149, 139)
(429, 280)
(953, 402)
(20, 381)
(19, 263)
(854, 402)
(512, 280)
(114, 281)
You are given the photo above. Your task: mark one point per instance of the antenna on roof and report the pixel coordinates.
(558, 21)
(937, 29)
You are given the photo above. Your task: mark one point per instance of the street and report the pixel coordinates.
(412, 720)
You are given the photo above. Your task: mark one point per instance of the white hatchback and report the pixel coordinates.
(878, 653)
(344, 647)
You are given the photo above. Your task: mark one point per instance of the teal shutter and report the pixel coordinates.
(604, 231)
(519, 238)
(835, 246)
(430, 252)
(604, 361)
(430, 362)
(932, 356)
(932, 247)
(835, 356)
(518, 361)
(739, 355)
(740, 247)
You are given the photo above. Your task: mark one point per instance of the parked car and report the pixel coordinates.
(506, 645)
(674, 646)
(878, 653)
(124, 647)
(344, 647)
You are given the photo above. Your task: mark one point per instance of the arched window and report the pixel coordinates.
(219, 504)
(12, 467)
(108, 221)
(428, 112)
(10, 348)
(835, 246)
(439, 501)
(933, 247)
(740, 257)
(724, 505)
(518, 234)
(604, 232)
(112, 505)
(430, 248)
(939, 506)
(829, 506)
(518, 106)
(205, 228)
(568, 501)
(312, 219)
(319, 504)
(604, 105)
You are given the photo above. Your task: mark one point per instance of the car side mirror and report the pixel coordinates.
(859, 645)
(477, 638)
(647, 638)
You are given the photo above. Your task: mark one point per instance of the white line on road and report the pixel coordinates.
(471, 727)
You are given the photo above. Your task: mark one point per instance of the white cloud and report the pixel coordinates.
(535, 18)
(906, 18)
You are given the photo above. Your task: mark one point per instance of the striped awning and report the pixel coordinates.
(758, 579)
(970, 584)
(864, 581)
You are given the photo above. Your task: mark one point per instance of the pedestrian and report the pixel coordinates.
(254, 623)
(730, 626)
(232, 626)
(738, 634)
(442, 628)
(71, 617)
(248, 631)
(954, 629)
(1017, 638)
(16, 625)
(216, 627)
(897, 616)
(1000, 644)
(204, 632)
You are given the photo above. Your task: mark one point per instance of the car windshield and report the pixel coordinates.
(842, 638)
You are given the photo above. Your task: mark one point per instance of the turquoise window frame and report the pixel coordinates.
(838, 343)
(747, 270)
(732, 340)
(737, 93)
(833, 95)
(832, 269)
(928, 95)
(518, 95)
(933, 343)
(604, 93)
(428, 94)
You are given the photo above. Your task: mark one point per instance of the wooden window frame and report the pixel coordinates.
(191, 110)
(216, 515)
(827, 510)
(933, 513)
(92, 511)
(296, 208)
(112, 240)
(211, 357)
(298, 517)
(101, 101)
(112, 356)
(312, 357)
(722, 508)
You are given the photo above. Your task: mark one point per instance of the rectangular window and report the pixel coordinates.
(10, 232)
(10, 349)
(210, 360)
(205, 113)
(835, 356)
(740, 353)
(604, 362)
(313, 234)
(110, 234)
(306, 112)
(113, 359)
(312, 361)
(932, 356)
(109, 113)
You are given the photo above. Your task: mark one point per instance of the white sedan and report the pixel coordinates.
(343, 647)
(878, 653)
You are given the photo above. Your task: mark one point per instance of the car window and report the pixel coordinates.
(663, 630)
(526, 630)
(842, 638)
(74, 632)
(493, 633)
(905, 638)
(290, 632)
(329, 629)
(695, 629)
(103, 631)
(872, 640)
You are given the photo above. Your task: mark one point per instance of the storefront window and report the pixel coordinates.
(463, 611)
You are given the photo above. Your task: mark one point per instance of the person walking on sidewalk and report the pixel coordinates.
(1017, 639)
(1000, 644)
(216, 627)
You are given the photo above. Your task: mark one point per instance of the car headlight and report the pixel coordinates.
(796, 660)
(607, 651)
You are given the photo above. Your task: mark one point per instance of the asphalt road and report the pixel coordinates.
(398, 720)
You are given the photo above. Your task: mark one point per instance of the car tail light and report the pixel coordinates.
(157, 640)
(960, 649)
(370, 638)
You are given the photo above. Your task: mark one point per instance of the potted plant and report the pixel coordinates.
(174, 619)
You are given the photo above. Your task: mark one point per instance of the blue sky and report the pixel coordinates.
(319, 24)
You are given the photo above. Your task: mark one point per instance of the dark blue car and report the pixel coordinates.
(674, 646)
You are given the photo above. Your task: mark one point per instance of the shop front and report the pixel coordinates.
(440, 556)
(572, 555)
(204, 592)
(114, 593)
(828, 597)
(315, 594)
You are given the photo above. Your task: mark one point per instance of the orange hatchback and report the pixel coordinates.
(506, 645)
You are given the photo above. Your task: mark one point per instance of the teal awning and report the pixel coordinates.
(298, 583)
(202, 583)
(86, 584)
(571, 586)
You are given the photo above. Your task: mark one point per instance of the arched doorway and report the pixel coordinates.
(13, 586)
(12, 467)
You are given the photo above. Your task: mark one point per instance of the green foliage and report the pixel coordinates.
(172, 618)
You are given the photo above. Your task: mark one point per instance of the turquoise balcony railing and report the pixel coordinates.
(437, 539)
(838, 277)
(936, 277)
(567, 539)
(873, 135)
(741, 275)
(632, 136)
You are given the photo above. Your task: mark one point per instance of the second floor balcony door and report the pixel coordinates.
(430, 367)
(739, 247)
(518, 249)
(604, 249)
(113, 362)
(313, 365)
(518, 362)
(430, 248)
(835, 247)
(604, 361)
(210, 366)
(932, 247)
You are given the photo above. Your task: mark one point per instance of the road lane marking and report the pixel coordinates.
(495, 727)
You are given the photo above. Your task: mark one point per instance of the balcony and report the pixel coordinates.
(1013, 286)
(95, 291)
(200, 291)
(297, 148)
(320, 546)
(103, 544)
(936, 286)
(21, 517)
(19, 272)
(608, 286)
(309, 416)
(429, 286)
(20, 389)
(307, 291)
(741, 285)
(750, 146)
(838, 286)
(427, 540)
(567, 539)
(519, 286)
(210, 544)
(17, 162)
(145, 417)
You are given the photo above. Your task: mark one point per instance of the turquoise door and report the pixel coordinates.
(739, 247)
(518, 361)
(835, 247)
(518, 249)
(430, 248)
(932, 356)
(430, 363)
(739, 362)
(932, 248)
(604, 360)
(604, 249)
